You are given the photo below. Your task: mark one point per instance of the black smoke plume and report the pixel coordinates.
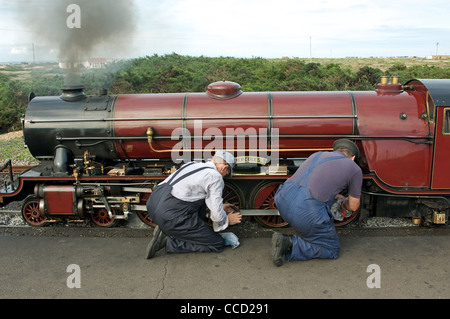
(102, 27)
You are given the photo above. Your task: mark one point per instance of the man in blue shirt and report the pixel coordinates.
(304, 201)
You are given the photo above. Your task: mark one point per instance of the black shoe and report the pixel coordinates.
(158, 242)
(280, 245)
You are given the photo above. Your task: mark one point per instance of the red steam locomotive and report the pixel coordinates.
(100, 156)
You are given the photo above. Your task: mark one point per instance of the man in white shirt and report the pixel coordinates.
(178, 207)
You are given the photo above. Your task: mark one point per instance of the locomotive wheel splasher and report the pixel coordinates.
(264, 199)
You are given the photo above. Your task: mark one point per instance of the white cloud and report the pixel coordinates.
(283, 27)
(273, 28)
(19, 50)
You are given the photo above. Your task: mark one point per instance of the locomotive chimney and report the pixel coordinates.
(384, 80)
(73, 93)
(394, 79)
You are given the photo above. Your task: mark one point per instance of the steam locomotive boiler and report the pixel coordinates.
(101, 155)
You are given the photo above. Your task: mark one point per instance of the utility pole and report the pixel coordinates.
(34, 58)
(310, 49)
(437, 46)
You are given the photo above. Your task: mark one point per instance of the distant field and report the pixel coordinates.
(28, 71)
(382, 63)
(23, 72)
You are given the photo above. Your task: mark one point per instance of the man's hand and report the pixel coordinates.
(351, 204)
(230, 208)
(234, 218)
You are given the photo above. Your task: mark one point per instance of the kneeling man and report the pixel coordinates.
(178, 207)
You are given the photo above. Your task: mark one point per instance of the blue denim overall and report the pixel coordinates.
(311, 218)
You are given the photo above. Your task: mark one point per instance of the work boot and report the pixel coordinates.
(280, 246)
(158, 242)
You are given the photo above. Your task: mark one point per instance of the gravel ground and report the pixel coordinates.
(9, 219)
(12, 225)
(11, 135)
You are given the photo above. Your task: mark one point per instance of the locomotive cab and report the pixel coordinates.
(407, 162)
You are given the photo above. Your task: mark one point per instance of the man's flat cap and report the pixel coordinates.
(345, 143)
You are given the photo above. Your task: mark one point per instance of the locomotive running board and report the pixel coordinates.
(259, 212)
(244, 212)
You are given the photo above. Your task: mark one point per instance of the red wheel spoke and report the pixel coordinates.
(101, 218)
(31, 212)
(264, 199)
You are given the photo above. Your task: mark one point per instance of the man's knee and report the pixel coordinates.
(218, 245)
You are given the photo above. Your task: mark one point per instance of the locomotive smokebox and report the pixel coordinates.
(73, 93)
(63, 128)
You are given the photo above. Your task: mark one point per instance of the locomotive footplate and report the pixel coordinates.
(259, 212)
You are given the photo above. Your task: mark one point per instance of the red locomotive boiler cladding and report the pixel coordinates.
(391, 125)
(402, 131)
(293, 116)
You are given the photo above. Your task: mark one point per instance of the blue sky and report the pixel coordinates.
(261, 28)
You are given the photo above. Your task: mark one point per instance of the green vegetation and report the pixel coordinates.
(176, 73)
(14, 149)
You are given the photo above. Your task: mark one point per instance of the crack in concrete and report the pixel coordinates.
(163, 279)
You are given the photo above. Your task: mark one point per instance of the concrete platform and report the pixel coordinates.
(115, 267)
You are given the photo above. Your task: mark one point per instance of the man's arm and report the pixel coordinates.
(214, 201)
(351, 204)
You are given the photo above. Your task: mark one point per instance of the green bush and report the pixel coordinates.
(176, 73)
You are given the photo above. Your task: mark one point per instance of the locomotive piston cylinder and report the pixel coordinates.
(57, 200)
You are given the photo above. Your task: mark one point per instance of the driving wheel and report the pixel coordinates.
(264, 199)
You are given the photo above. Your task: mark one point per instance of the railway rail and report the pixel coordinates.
(248, 224)
(248, 229)
(16, 169)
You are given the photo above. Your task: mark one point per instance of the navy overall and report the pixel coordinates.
(311, 218)
(183, 222)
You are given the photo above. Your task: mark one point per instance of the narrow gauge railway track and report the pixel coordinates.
(134, 227)
(16, 169)
(241, 231)
(249, 228)
(372, 227)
